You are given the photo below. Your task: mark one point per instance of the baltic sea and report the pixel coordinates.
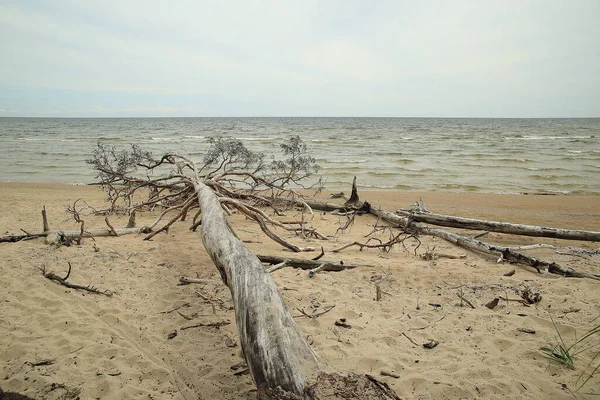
(408, 154)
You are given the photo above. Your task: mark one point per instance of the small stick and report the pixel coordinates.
(465, 300)
(277, 266)
(320, 255)
(408, 337)
(214, 324)
(46, 227)
(390, 374)
(175, 309)
(480, 235)
(112, 229)
(48, 361)
(314, 315)
(314, 271)
(63, 281)
(184, 280)
(184, 316)
(377, 292)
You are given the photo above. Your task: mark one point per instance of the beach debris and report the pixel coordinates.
(431, 344)
(526, 330)
(529, 296)
(207, 324)
(463, 299)
(492, 304)
(410, 339)
(452, 221)
(172, 334)
(229, 342)
(510, 273)
(408, 220)
(309, 264)
(184, 280)
(239, 365)
(244, 371)
(45, 361)
(388, 373)
(314, 314)
(342, 323)
(176, 308)
(63, 281)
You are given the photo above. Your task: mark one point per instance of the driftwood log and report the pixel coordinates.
(501, 227)
(74, 234)
(408, 222)
(281, 362)
(482, 247)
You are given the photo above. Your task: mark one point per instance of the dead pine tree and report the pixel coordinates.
(281, 362)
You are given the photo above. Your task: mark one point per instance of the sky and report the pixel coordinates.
(145, 58)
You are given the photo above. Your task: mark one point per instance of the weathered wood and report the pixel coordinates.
(501, 227)
(309, 264)
(354, 199)
(479, 246)
(276, 353)
(279, 359)
(75, 234)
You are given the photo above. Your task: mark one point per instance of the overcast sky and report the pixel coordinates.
(468, 58)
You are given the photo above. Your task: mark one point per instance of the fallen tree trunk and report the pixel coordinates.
(281, 362)
(276, 353)
(74, 234)
(479, 246)
(501, 227)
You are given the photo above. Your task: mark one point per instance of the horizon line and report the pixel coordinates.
(263, 116)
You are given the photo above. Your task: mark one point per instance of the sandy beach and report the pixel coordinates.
(61, 343)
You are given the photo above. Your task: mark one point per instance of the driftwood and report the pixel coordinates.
(74, 234)
(476, 245)
(309, 264)
(63, 281)
(281, 362)
(276, 352)
(451, 221)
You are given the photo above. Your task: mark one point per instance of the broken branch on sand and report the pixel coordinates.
(63, 281)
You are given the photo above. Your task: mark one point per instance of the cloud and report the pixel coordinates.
(303, 58)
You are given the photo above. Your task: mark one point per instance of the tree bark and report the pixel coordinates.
(276, 353)
(501, 227)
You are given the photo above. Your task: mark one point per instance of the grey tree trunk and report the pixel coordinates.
(275, 351)
(282, 364)
(501, 227)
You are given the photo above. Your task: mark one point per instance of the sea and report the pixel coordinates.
(550, 156)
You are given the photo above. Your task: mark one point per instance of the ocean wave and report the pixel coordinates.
(257, 138)
(458, 186)
(348, 161)
(541, 137)
(194, 137)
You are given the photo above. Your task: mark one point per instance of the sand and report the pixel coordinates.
(118, 347)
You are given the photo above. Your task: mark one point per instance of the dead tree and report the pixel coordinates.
(281, 362)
